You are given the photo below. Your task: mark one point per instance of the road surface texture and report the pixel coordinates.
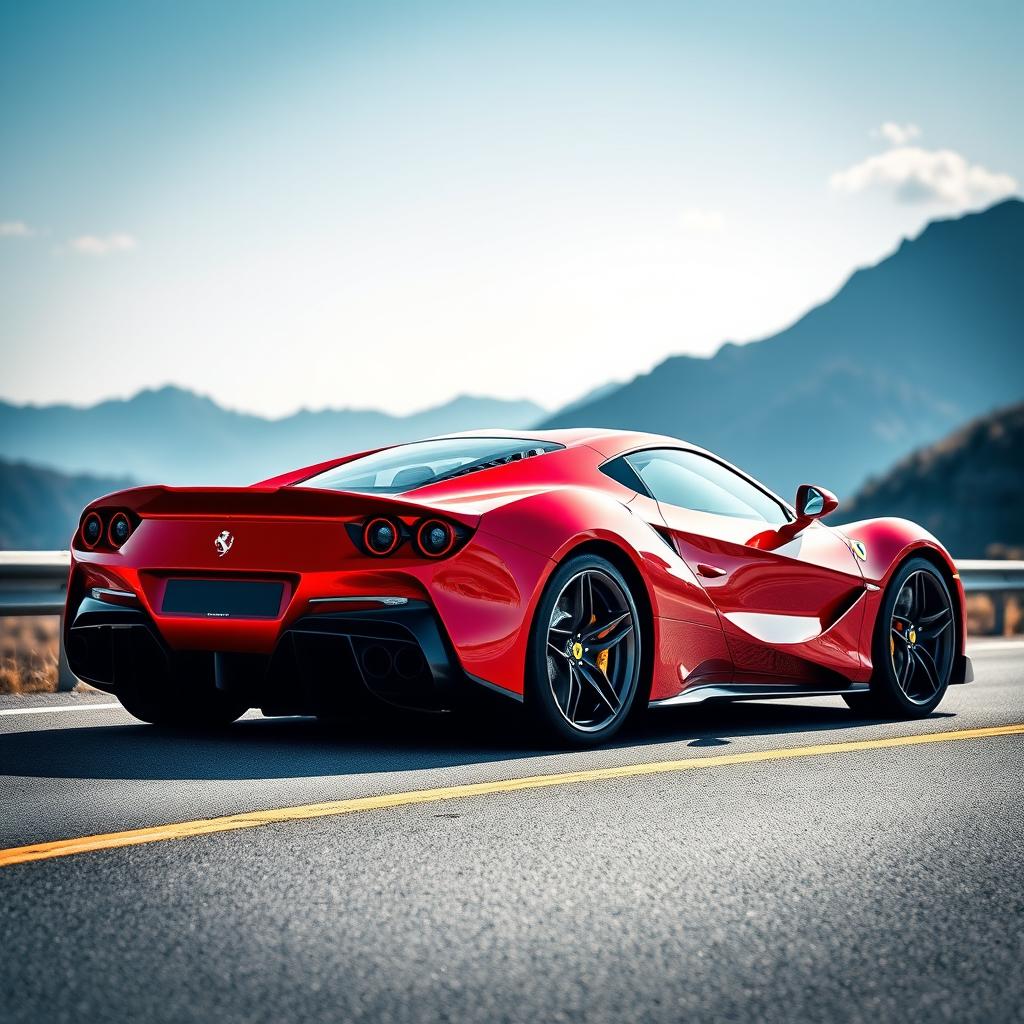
(867, 882)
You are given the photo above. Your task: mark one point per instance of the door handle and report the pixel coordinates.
(712, 572)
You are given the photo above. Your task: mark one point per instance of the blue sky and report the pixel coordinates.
(312, 204)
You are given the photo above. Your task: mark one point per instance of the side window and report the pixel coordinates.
(696, 482)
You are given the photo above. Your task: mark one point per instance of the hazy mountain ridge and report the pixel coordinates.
(903, 353)
(968, 489)
(39, 508)
(175, 436)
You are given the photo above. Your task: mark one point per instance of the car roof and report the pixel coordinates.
(605, 440)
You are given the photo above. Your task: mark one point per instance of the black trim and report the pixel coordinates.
(329, 662)
(623, 473)
(495, 688)
(414, 622)
(111, 646)
(963, 670)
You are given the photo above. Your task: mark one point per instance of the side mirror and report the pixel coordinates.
(814, 503)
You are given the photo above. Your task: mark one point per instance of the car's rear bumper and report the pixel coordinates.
(322, 663)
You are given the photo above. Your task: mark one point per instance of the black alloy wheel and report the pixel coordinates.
(914, 645)
(585, 653)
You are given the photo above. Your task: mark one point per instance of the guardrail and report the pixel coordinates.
(35, 582)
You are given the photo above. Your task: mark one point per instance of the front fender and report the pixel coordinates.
(882, 545)
(885, 543)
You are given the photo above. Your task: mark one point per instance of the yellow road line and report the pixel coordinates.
(231, 822)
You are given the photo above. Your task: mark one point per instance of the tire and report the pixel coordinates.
(913, 648)
(186, 709)
(577, 693)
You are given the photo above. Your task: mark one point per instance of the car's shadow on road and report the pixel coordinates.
(305, 748)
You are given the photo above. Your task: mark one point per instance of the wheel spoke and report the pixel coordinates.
(919, 595)
(933, 626)
(586, 601)
(611, 632)
(616, 636)
(572, 697)
(563, 622)
(597, 682)
(907, 672)
(927, 663)
(554, 649)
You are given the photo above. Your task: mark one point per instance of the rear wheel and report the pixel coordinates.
(584, 662)
(200, 709)
(914, 645)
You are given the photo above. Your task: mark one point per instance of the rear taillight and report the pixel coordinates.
(105, 529)
(381, 536)
(434, 538)
(92, 530)
(119, 530)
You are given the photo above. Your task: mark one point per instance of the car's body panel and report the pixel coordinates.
(730, 601)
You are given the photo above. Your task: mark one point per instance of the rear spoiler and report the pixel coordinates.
(269, 502)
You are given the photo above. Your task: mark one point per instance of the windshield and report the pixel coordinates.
(408, 466)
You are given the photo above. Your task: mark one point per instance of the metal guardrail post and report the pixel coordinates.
(66, 679)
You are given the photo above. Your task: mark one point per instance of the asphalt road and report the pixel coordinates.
(884, 883)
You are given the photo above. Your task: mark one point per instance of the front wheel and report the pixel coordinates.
(914, 645)
(584, 663)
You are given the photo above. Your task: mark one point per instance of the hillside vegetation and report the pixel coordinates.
(967, 489)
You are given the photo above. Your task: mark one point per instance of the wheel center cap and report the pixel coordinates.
(576, 650)
(912, 635)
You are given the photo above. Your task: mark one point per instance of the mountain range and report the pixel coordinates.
(967, 489)
(40, 508)
(905, 352)
(175, 436)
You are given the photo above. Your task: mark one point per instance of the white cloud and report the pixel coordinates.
(694, 218)
(913, 174)
(15, 229)
(102, 245)
(898, 134)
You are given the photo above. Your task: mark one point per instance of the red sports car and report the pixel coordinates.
(583, 573)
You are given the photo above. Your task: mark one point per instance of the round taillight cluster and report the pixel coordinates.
(106, 531)
(383, 535)
(119, 531)
(92, 530)
(435, 538)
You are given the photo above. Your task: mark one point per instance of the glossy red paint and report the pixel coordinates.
(882, 545)
(725, 598)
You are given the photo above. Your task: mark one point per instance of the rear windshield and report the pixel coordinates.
(408, 466)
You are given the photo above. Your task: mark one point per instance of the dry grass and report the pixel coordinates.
(28, 654)
(981, 615)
